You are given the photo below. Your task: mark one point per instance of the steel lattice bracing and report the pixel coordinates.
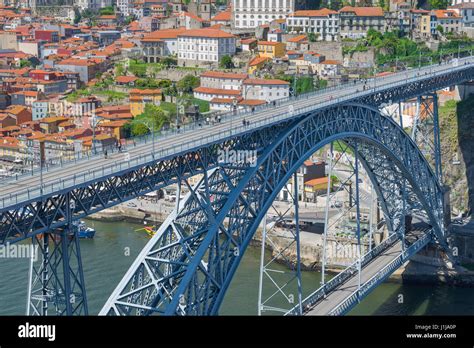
(28, 212)
(218, 233)
(28, 208)
(57, 281)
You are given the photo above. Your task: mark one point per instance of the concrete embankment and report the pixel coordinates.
(428, 267)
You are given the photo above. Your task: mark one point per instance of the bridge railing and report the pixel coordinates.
(107, 170)
(226, 116)
(380, 276)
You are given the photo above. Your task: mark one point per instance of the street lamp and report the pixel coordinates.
(234, 109)
(152, 130)
(93, 123)
(178, 107)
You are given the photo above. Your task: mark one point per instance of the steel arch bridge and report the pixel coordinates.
(188, 265)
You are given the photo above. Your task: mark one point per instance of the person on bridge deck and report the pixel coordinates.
(243, 122)
(105, 153)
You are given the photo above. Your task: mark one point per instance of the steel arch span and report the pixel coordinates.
(188, 265)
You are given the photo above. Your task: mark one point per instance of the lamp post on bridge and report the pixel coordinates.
(234, 111)
(93, 123)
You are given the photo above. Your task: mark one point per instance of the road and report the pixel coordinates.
(346, 289)
(28, 186)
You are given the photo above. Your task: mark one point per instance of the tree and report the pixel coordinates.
(188, 83)
(439, 4)
(24, 62)
(77, 16)
(440, 29)
(226, 62)
(164, 83)
(169, 61)
(119, 70)
(109, 10)
(152, 116)
(312, 37)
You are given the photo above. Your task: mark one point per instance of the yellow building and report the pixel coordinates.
(140, 97)
(317, 185)
(271, 49)
(427, 24)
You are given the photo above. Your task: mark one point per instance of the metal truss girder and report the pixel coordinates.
(204, 272)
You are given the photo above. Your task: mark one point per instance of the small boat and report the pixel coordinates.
(83, 231)
(150, 230)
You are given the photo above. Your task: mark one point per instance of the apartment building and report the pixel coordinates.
(249, 14)
(204, 47)
(324, 23)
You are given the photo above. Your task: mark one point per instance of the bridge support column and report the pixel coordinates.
(326, 213)
(425, 131)
(277, 286)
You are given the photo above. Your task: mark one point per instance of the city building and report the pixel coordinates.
(221, 80)
(449, 20)
(354, 22)
(160, 43)
(204, 47)
(466, 11)
(324, 23)
(250, 14)
(265, 89)
(140, 97)
(427, 25)
(270, 49)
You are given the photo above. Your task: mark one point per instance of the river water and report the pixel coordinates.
(105, 262)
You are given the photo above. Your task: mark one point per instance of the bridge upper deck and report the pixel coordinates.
(343, 297)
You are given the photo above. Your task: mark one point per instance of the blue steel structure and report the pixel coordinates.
(189, 264)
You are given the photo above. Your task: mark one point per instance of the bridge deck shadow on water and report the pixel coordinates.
(188, 265)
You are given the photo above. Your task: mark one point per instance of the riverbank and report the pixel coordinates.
(422, 269)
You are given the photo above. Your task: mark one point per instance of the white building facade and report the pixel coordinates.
(249, 14)
(125, 7)
(263, 89)
(323, 23)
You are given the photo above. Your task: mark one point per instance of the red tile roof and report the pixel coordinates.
(216, 91)
(126, 79)
(298, 38)
(222, 16)
(269, 43)
(446, 14)
(265, 82)
(163, 34)
(190, 15)
(364, 11)
(212, 33)
(258, 60)
(223, 75)
(324, 12)
(252, 102)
